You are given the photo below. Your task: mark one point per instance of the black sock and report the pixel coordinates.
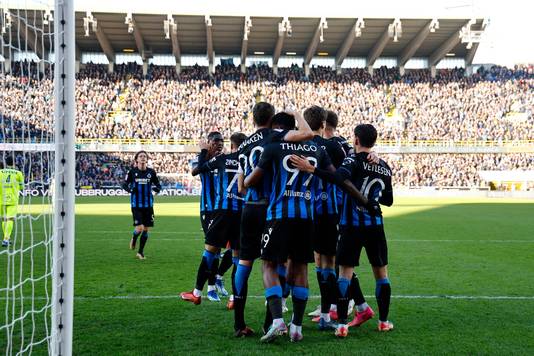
(204, 269)
(299, 298)
(240, 290)
(135, 235)
(144, 238)
(383, 297)
(331, 289)
(356, 291)
(268, 318)
(343, 299)
(213, 271)
(274, 303)
(325, 302)
(226, 262)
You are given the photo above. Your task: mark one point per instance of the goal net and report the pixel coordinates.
(37, 176)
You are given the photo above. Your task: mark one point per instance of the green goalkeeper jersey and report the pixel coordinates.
(11, 183)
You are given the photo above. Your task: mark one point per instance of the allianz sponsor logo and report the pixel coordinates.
(295, 194)
(233, 196)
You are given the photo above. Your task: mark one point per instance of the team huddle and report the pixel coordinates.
(290, 197)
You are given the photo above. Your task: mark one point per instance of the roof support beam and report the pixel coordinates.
(278, 48)
(377, 49)
(473, 50)
(209, 41)
(139, 42)
(445, 47)
(177, 53)
(77, 53)
(346, 45)
(105, 45)
(312, 46)
(244, 44)
(414, 45)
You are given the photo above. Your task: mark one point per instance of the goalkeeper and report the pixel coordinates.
(11, 183)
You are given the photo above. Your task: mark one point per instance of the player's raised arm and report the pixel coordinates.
(127, 184)
(304, 132)
(202, 158)
(330, 175)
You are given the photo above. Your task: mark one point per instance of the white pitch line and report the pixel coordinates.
(195, 237)
(423, 297)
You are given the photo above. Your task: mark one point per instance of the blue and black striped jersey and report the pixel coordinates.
(326, 201)
(373, 181)
(249, 155)
(292, 192)
(349, 150)
(208, 189)
(227, 196)
(140, 184)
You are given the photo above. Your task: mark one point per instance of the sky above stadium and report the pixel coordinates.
(508, 39)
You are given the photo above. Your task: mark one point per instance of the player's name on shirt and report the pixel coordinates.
(377, 169)
(298, 147)
(255, 137)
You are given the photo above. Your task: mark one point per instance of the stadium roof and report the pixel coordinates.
(225, 35)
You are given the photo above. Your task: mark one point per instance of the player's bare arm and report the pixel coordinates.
(253, 178)
(304, 132)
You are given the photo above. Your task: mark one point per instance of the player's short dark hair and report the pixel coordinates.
(7, 161)
(138, 153)
(315, 116)
(237, 138)
(331, 119)
(283, 121)
(215, 135)
(262, 113)
(367, 134)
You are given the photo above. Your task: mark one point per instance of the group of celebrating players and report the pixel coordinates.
(289, 197)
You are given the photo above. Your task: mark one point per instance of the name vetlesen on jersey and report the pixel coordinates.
(377, 169)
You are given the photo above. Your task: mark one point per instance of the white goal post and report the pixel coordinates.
(37, 138)
(64, 182)
(64, 179)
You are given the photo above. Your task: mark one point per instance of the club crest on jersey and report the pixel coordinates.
(149, 175)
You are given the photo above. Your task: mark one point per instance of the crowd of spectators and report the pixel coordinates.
(494, 103)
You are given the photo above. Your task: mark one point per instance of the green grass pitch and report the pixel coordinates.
(478, 250)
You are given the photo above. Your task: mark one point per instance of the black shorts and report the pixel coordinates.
(205, 218)
(326, 234)
(143, 216)
(351, 241)
(224, 229)
(283, 239)
(252, 225)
